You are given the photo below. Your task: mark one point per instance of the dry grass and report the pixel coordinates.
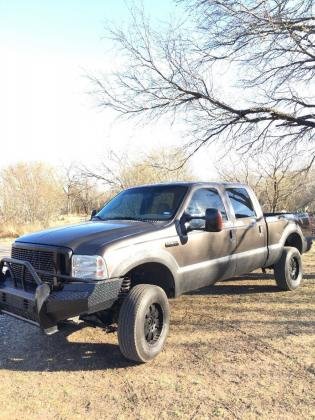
(9, 231)
(239, 349)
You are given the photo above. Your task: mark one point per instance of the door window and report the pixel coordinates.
(241, 202)
(204, 199)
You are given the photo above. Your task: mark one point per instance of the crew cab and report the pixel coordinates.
(148, 244)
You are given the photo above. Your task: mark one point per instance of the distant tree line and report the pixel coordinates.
(37, 193)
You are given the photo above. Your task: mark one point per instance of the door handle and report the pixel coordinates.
(231, 234)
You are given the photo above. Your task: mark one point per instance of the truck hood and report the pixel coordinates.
(88, 237)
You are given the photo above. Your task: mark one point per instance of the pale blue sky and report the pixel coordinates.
(46, 47)
(63, 24)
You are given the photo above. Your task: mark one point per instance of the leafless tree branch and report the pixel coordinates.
(271, 46)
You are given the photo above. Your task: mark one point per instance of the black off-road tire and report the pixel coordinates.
(143, 323)
(289, 269)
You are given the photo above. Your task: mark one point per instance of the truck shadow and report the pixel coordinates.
(25, 348)
(225, 288)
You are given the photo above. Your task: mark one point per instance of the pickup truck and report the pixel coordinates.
(148, 244)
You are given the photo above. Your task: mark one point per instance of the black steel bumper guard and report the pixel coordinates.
(44, 306)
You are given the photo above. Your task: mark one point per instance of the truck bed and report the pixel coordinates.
(302, 219)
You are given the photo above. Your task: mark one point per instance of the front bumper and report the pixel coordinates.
(45, 307)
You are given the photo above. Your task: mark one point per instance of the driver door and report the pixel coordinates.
(207, 256)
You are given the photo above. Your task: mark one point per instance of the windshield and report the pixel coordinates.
(156, 203)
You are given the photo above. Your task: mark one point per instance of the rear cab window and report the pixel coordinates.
(241, 202)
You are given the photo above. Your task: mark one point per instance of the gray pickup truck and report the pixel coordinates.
(146, 245)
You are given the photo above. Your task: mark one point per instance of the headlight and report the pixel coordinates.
(89, 267)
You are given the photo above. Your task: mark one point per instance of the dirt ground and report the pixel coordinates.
(239, 349)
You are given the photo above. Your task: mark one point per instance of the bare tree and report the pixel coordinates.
(279, 177)
(117, 172)
(30, 192)
(81, 192)
(71, 185)
(270, 48)
(304, 197)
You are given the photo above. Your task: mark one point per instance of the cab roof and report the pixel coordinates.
(191, 184)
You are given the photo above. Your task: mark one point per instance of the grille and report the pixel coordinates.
(40, 260)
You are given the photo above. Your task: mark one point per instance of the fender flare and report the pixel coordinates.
(289, 230)
(163, 258)
(276, 249)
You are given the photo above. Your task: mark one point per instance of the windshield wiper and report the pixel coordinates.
(97, 217)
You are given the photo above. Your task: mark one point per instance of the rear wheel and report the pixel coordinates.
(289, 270)
(143, 323)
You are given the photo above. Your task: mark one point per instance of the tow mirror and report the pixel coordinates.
(213, 220)
(93, 213)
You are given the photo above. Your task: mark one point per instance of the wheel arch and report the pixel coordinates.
(294, 240)
(148, 264)
(291, 236)
(155, 273)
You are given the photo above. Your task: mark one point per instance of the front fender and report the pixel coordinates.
(119, 264)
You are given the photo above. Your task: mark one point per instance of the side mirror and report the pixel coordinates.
(213, 220)
(93, 214)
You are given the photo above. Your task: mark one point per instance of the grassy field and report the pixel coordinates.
(240, 350)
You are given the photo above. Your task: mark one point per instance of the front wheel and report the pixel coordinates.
(143, 323)
(289, 270)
